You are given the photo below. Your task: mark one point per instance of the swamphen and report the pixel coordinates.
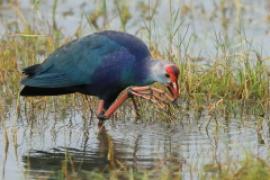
(102, 64)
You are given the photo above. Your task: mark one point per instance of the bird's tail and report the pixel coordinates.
(36, 91)
(32, 70)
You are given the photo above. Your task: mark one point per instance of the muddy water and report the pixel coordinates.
(39, 146)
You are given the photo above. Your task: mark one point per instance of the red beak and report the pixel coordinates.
(174, 89)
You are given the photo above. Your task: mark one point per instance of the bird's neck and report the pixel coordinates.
(150, 72)
(155, 66)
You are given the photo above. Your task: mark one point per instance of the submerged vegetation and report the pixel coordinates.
(250, 168)
(233, 80)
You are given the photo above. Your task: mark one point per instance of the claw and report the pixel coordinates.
(153, 94)
(157, 96)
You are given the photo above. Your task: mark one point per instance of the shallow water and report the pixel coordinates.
(38, 147)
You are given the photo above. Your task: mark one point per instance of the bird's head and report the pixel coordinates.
(172, 73)
(167, 73)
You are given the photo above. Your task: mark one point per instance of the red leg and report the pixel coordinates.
(100, 108)
(117, 103)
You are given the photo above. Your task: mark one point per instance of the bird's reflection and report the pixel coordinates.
(102, 148)
(69, 160)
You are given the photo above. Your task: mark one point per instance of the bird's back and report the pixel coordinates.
(134, 45)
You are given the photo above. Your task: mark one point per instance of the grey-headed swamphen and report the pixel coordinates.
(102, 64)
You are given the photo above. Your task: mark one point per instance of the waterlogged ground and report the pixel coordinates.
(41, 146)
(55, 144)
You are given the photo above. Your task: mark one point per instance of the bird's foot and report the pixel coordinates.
(157, 96)
(101, 117)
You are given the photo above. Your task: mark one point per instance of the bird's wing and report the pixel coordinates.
(53, 80)
(73, 64)
(117, 68)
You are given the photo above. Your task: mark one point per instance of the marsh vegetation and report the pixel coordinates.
(220, 130)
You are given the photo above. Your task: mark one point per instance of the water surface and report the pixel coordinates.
(38, 147)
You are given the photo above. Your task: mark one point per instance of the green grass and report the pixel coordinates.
(235, 75)
(250, 168)
(237, 80)
(244, 80)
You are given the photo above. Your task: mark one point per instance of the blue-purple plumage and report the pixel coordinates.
(101, 64)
